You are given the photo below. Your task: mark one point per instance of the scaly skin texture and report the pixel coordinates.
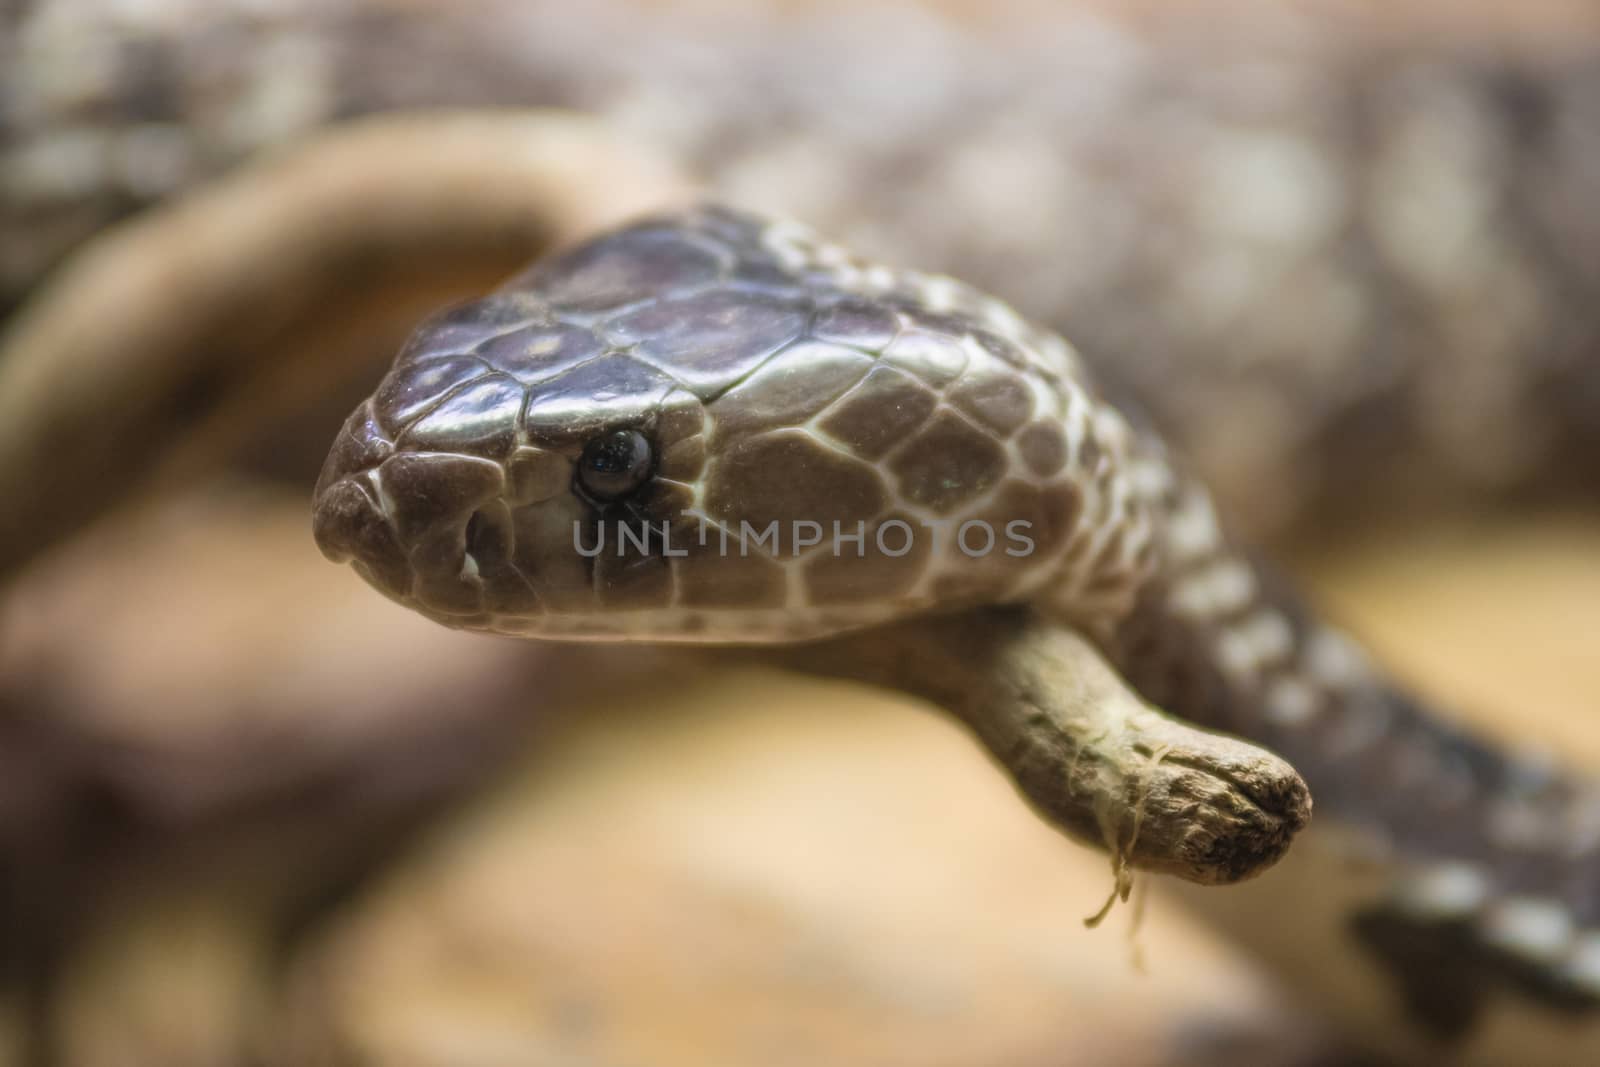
(779, 383)
(775, 376)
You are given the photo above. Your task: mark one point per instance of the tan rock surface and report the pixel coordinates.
(758, 869)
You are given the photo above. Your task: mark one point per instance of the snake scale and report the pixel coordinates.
(1464, 880)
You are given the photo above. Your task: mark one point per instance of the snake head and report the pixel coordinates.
(505, 440)
(691, 429)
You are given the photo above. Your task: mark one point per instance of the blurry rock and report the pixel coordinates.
(761, 869)
(1493, 616)
(203, 657)
(11, 1033)
(208, 732)
(171, 973)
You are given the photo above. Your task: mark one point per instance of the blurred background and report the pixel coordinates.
(1344, 254)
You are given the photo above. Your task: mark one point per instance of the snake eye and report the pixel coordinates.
(614, 465)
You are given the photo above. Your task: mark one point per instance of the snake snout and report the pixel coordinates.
(350, 527)
(405, 525)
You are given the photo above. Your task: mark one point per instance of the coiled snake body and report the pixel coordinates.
(718, 381)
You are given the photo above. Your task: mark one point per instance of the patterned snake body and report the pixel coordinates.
(710, 374)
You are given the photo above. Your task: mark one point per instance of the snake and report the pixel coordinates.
(1445, 886)
(712, 427)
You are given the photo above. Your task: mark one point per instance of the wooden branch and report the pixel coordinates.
(1089, 754)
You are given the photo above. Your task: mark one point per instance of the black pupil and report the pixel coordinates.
(615, 464)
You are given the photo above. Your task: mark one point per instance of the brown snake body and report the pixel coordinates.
(1422, 229)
